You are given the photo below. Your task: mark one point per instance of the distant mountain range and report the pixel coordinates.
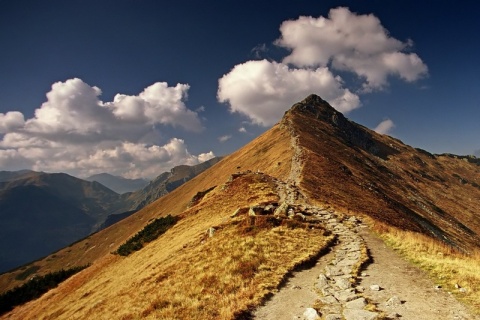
(43, 212)
(167, 182)
(119, 184)
(160, 186)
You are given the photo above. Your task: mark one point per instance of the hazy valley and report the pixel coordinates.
(44, 212)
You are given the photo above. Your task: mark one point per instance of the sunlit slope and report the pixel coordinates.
(185, 274)
(270, 153)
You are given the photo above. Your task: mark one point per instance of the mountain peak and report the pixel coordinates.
(314, 106)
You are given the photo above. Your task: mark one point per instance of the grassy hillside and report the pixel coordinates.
(186, 274)
(270, 153)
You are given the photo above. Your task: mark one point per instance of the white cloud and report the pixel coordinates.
(384, 127)
(75, 132)
(264, 90)
(11, 121)
(350, 42)
(138, 159)
(224, 138)
(242, 130)
(319, 48)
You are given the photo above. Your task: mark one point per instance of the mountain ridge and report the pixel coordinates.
(118, 184)
(384, 157)
(337, 166)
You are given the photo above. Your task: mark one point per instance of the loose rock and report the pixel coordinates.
(359, 303)
(310, 314)
(393, 302)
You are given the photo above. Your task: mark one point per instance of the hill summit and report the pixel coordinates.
(278, 203)
(356, 169)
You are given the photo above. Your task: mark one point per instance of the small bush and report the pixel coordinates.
(149, 233)
(34, 288)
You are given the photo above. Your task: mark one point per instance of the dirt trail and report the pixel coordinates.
(417, 296)
(389, 286)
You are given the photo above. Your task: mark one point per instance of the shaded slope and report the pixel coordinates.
(41, 213)
(159, 187)
(165, 183)
(355, 169)
(13, 175)
(30, 232)
(94, 199)
(118, 184)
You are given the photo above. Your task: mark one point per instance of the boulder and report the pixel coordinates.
(359, 303)
(235, 213)
(310, 314)
(333, 317)
(300, 216)
(290, 213)
(322, 281)
(281, 210)
(343, 283)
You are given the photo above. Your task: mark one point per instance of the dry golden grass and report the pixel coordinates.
(271, 153)
(185, 274)
(445, 265)
(231, 273)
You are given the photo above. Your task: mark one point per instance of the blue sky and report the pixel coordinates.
(135, 87)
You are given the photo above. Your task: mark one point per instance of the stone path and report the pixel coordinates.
(333, 290)
(389, 288)
(337, 284)
(382, 291)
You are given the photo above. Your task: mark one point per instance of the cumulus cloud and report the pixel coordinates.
(384, 127)
(10, 121)
(76, 132)
(224, 138)
(319, 48)
(264, 90)
(242, 130)
(350, 42)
